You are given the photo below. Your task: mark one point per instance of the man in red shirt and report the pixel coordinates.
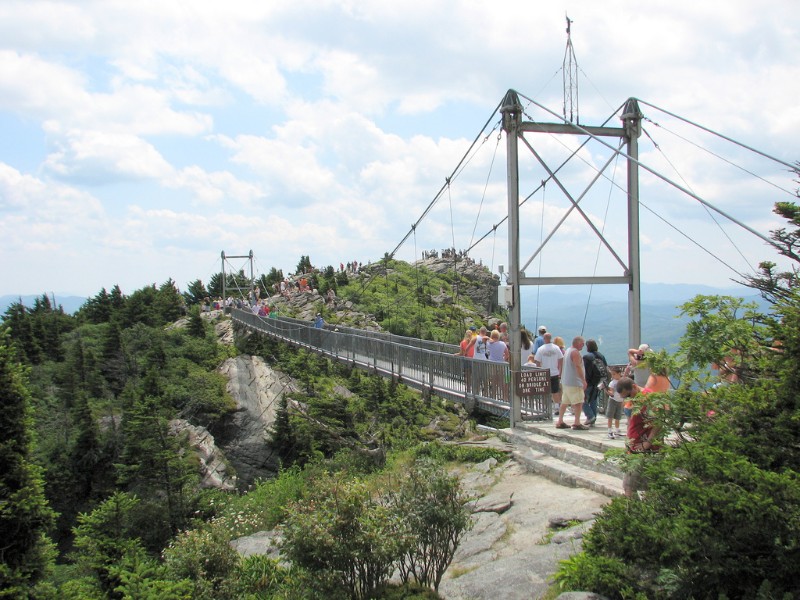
(641, 435)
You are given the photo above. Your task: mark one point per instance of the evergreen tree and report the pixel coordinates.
(105, 536)
(777, 285)
(215, 285)
(196, 326)
(97, 309)
(117, 299)
(195, 293)
(17, 319)
(140, 308)
(25, 551)
(157, 467)
(114, 367)
(304, 266)
(169, 303)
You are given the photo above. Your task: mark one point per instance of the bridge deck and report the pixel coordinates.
(420, 364)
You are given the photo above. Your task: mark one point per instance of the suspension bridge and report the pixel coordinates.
(509, 389)
(429, 366)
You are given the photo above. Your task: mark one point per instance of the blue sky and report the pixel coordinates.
(141, 139)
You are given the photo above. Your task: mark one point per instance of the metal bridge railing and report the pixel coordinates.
(420, 364)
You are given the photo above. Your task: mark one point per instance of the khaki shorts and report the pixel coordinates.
(614, 409)
(571, 394)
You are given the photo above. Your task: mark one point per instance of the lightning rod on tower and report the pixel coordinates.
(569, 71)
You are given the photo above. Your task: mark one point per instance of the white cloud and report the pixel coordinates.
(99, 156)
(217, 188)
(334, 123)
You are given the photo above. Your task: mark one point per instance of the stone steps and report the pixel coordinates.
(567, 457)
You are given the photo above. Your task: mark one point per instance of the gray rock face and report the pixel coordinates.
(213, 465)
(480, 285)
(305, 306)
(257, 391)
(260, 542)
(511, 553)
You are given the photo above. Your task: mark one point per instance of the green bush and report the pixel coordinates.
(340, 529)
(602, 575)
(204, 557)
(458, 453)
(435, 517)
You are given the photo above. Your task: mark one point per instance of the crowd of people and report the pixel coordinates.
(579, 375)
(459, 255)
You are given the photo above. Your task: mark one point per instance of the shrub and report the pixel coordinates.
(435, 517)
(340, 529)
(458, 453)
(205, 557)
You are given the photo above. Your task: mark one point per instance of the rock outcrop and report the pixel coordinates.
(214, 468)
(243, 435)
(477, 282)
(522, 528)
(305, 306)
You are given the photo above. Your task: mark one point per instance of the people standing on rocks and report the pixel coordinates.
(573, 384)
(636, 369)
(318, 321)
(595, 367)
(549, 356)
(614, 405)
(642, 433)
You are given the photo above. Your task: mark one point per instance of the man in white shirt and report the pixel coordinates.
(549, 356)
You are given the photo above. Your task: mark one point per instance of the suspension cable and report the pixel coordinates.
(447, 182)
(719, 156)
(599, 244)
(708, 212)
(712, 132)
(666, 179)
(485, 187)
(541, 240)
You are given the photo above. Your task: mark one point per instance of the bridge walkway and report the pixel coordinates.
(420, 364)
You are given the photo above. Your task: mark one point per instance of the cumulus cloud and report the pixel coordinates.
(326, 128)
(102, 157)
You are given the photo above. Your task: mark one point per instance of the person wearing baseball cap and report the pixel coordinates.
(539, 341)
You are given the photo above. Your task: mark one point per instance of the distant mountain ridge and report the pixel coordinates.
(563, 310)
(70, 304)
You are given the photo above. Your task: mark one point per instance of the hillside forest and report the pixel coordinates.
(100, 494)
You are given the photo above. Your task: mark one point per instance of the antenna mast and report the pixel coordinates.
(569, 72)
